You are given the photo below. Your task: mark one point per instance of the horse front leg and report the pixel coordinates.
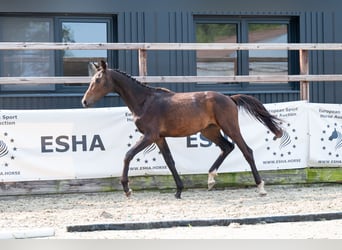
(165, 150)
(213, 133)
(139, 146)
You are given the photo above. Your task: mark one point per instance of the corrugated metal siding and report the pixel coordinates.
(174, 27)
(323, 27)
(131, 27)
(158, 27)
(177, 26)
(53, 102)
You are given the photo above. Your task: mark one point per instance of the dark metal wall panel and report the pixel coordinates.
(116, 6)
(172, 21)
(337, 57)
(158, 27)
(68, 102)
(322, 27)
(131, 28)
(54, 102)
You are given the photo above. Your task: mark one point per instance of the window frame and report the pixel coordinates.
(243, 55)
(111, 37)
(32, 88)
(57, 19)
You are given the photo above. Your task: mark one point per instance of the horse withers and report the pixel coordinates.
(160, 113)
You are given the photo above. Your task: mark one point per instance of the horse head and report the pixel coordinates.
(99, 85)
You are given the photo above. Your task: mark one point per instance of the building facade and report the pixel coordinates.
(185, 21)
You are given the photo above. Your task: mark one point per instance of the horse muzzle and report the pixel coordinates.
(85, 103)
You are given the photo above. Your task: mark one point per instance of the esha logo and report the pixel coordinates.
(3, 149)
(287, 144)
(150, 155)
(7, 149)
(331, 139)
(74, 143)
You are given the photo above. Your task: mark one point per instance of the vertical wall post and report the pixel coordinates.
(142, 62)
(304, 70)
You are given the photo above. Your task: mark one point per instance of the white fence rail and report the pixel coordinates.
(304, 78)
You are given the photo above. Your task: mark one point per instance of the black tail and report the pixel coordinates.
(254, 107)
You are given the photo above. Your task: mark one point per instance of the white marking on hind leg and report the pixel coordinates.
(211, 179)
(261, 190)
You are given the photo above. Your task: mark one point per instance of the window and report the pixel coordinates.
(268, 62)
(216, 62)
(26, 62)
(51, 63)
(246, 30)
(75, 62)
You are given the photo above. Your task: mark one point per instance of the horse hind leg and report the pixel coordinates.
(232, 129)
(211, 179)
(213, 133)
(248, 154)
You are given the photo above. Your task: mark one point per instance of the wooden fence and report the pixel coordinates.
(304, 77)
(296, 176)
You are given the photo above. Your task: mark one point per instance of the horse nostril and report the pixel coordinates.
(84, 102)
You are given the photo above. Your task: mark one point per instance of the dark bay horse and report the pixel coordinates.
(160, 113)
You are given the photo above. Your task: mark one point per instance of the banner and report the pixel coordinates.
(59, 144)
(92, 143)
(325, 125)
(291, 150)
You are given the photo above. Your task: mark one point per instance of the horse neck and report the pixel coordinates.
(133, 93)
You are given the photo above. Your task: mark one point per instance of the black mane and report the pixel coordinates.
(140, 83)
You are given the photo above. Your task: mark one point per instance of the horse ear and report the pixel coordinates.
(92, 68)
(103, 65)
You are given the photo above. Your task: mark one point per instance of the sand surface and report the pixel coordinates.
(60, 211)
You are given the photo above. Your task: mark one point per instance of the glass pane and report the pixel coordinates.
(268, 62)
(75, 62)
(216, 62)
(26, 62)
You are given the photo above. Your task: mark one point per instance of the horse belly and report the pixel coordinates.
(184, 122)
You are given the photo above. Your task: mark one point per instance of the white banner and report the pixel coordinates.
(92, 143)
(59, 144)
(290, 151)
(325, 121)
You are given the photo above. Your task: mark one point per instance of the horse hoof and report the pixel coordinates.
(261, 189)
(263, 194)
(211, 185)
(178, 195)
(129, 193)
(211, 180)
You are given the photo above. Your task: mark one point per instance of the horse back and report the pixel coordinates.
(182, 114)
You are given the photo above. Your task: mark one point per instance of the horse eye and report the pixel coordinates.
(97, 80)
